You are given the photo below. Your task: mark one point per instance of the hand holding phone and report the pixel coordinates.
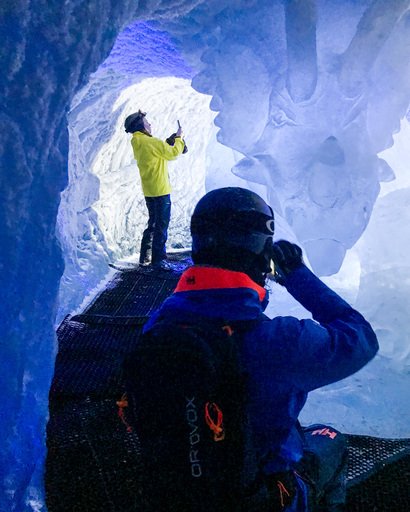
(179, 131)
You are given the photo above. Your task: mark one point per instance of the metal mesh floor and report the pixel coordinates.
(93, 462)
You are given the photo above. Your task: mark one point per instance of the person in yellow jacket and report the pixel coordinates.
(152, 156)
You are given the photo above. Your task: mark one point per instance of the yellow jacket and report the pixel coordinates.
(152, 157)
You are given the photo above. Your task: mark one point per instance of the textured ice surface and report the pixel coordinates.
(48, 52)
(375, 278)
(307, 93)
(318, 111)
(103, 212)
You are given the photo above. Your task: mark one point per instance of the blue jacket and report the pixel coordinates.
(284, 357)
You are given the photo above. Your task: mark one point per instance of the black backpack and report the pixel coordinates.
(186, 393)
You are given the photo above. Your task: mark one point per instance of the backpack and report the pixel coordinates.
(186, 393)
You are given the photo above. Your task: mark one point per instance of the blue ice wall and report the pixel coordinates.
(46, 55)
(48, 51)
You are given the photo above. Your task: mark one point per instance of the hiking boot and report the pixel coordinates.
(164, 265)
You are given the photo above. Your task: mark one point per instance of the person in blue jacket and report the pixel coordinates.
(284, 357)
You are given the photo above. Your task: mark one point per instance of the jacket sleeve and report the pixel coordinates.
(164, 150)
(337, 345)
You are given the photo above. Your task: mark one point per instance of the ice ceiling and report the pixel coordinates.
(307, 97)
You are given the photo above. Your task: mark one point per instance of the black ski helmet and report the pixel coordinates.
(232, 217)
(134, 122)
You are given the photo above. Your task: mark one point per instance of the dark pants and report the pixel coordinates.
(156, 233)
(324, 467)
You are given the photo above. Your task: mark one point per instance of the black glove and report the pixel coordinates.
(171, 141)
(286, 258)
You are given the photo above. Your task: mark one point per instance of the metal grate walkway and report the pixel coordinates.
(93, 462)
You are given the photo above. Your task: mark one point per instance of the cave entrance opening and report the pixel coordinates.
(120, 207)
(102, 212)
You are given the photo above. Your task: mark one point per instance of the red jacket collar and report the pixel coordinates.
(208, 278)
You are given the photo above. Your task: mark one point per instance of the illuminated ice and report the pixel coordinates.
(307, 98)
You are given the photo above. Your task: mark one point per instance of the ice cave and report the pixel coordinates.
(305, 102)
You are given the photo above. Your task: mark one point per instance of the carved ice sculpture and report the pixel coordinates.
(322, 102)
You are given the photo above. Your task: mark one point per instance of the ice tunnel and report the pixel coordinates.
(102, 211)
(304, 102)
